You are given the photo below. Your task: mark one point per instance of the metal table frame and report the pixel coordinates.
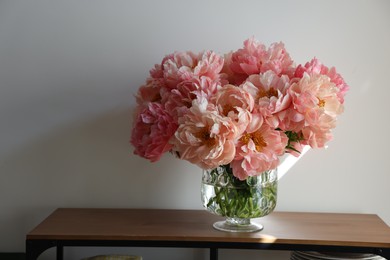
(35, 247)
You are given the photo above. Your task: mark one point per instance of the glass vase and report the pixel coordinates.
(238, 201)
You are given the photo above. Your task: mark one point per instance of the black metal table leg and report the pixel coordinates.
(35, 247)
(60, 252)
(384, 252)
(213, 253)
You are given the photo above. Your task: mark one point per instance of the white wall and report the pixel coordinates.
(68, 70)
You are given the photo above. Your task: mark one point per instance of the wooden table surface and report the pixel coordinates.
(326, 229)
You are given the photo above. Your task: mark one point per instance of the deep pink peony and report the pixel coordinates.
(150, 92)
(152, 131)
(204, 137)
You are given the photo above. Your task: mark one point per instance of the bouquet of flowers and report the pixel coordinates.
(244, 109)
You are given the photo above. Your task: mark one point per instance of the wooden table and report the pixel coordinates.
(360, 233)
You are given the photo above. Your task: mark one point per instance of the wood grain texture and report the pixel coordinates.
(364, 230)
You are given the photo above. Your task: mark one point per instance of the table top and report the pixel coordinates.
(326, 229)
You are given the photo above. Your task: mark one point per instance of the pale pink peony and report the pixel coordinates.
(237, 104)
(316, 67)
(315, 99)
(258, 151)
(153, 128)
(270, 94)
(204, 137)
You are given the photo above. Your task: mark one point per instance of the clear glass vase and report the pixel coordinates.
(238, 201)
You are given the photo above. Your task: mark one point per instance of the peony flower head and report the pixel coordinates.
(183, 66)
(204, 137)
(210, 65)
(150, 92)
(152, 131)
(315, 67)
(237, 104)
(278, 60)
(258, 151)
(316, 101)
(177, 101)
(246, 61)
(255, 58)
(270, 93)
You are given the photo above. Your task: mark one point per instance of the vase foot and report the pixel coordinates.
(229, 226)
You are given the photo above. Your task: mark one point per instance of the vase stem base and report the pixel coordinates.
(229, 226)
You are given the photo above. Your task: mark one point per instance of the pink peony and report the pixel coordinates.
(177, 101)
(204, 137)
(287, 120)
(258, 151)
(254, 58)
(210, 65)
(315, 100)
(316, 136)
(152, 131)
(157, 72)
(278, 60)
(237, 104)
(270, 94)
(245, 61)
(150, 92)
(178, 67)
(316, 67)
(183, 66)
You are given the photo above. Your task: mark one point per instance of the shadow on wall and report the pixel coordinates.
(88, 164)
